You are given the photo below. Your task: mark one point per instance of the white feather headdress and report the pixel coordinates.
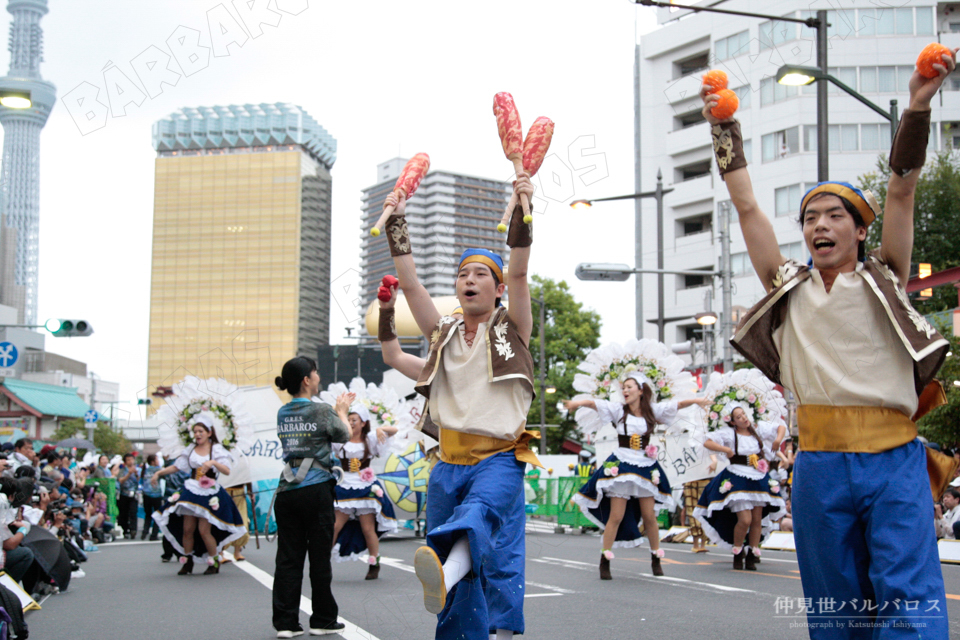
(214, 398)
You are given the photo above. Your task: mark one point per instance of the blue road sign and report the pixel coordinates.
(8, 354)
(91, 416)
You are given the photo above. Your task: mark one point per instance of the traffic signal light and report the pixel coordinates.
(68, 328)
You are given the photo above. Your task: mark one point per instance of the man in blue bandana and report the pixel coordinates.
(861, 361)
(478, 381)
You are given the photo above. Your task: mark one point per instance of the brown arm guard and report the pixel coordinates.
(520, 233)
(387, 329)
(728, 146)
(397, 236)
(909, 150)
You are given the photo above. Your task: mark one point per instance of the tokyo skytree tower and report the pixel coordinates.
(26, 101)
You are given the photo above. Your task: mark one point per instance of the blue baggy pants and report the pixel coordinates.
(485, 503)
(866, 545)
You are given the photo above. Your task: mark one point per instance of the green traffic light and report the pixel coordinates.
(52, 325)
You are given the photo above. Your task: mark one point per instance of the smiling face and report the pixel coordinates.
(740, 419)
(477, 289)
(356, 424)
(831, 234)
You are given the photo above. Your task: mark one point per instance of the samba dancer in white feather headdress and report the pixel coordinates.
(742, 501)
(635, 386)
(198, 424)
(364, 513)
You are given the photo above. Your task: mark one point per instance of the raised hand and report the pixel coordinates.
(344, 400)
(398, 202)
(923, 89)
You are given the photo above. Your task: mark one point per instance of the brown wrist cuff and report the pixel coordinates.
(728, 146)
(520, 233)
(397, 236)
(387, 328)
(909, 150)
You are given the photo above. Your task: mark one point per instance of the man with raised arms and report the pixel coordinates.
(478, 381)
(843, 337)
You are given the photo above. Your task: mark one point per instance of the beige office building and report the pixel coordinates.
(241, 243)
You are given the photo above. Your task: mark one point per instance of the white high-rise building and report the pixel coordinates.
(873, 49)
(449, 212)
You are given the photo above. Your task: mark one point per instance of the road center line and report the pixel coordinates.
(351, 632)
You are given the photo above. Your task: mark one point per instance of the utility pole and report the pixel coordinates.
(543, 368)
(726, 286)
(659, 198)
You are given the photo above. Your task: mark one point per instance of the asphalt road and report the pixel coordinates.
(129, 593)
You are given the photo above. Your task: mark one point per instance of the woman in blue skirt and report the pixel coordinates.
(629, 487)
(201, 519)
(363, 510)
(742, 501)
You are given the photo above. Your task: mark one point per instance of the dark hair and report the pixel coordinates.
(364, 431)
(852, 210)
(954, 492)
(129, 455)
(646, 407)
(22, 442)
(293, 373)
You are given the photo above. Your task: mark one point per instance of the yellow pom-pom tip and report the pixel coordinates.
(502, 228)
(374, 232)
(527, 219)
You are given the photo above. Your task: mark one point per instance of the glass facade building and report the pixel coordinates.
(241, 243)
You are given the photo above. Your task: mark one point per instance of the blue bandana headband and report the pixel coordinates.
(483, 256)
(864, 202)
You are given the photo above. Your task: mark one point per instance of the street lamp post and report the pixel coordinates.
(796, 75)
(657, 195)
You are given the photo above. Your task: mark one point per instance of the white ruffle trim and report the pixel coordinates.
(627, 487)
(734, 503)
(580, 500)
(353, 481)
(190, 509)
(746, 471)
(633, 456)
(359, 557)
(193, 486)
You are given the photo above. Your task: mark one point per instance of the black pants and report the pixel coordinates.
(150, 505)
(304, 526)
(127, 519)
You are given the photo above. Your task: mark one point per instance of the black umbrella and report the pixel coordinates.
(49, 553)
(76, 443)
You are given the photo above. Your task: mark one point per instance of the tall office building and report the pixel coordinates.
(450, 212)
(872, 49)
(241, 242)
(20, 215)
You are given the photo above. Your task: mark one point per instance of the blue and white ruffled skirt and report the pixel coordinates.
(213, 504)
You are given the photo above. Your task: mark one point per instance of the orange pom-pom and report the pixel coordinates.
(715, 80)
(930, 56)
(727, 105)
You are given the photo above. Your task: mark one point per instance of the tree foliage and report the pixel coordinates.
(936, 220)
(571, 332)
(107, 440)
(935, 240)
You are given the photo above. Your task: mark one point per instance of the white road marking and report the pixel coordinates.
(720, 552)
(351, 632)
(396, 564)
(586, 566)
(541, 595)
(122, 543)
(549, 587)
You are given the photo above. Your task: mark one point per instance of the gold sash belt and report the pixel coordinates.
(868, 430)
(457, 447)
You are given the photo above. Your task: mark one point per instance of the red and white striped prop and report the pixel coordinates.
(535, 147)
(413, 172)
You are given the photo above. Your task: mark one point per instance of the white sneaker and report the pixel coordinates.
(78, 574)
(290, 634)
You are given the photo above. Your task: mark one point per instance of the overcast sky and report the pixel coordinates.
(381, 77)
